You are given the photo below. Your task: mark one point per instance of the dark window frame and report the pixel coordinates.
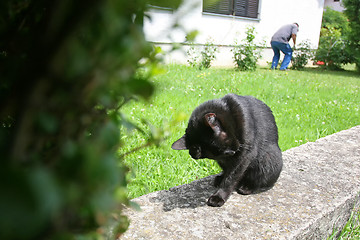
(237, 8)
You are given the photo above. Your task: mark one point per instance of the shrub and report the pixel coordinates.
(336, 19)
(193, 56)
(202, 58)
(66, 69)
(333, 50)
(247, 54)
(301, 55)
(352, 11)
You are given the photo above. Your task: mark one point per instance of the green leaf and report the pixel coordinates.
(190, 37)
(141, 87)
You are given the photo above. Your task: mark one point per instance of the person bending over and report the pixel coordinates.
(280, 42)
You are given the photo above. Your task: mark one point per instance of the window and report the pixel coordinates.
(240, 8)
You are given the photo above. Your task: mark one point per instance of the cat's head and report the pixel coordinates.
(205, 138)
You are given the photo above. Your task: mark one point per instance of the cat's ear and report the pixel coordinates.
(179, 144)
(211, 121)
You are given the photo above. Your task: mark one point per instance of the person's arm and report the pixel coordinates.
(293, 36)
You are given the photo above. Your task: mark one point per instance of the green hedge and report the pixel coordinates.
(352, 11)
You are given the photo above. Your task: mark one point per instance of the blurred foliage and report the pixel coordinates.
(173, 4)
(301, 55)
(333, 47)
(66, 69)
(352, 11)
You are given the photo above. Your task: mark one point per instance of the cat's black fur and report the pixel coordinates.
(240, 133)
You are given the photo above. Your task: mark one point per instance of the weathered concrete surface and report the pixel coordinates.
(316, 191)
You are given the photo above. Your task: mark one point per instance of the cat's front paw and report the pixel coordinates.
(215, 201)
(244, 191)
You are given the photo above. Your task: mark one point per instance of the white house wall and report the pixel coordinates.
(224, 30)
(337, 6)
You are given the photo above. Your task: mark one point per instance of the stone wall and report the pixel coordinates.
(318, 188)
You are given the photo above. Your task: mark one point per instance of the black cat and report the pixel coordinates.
(240, 133)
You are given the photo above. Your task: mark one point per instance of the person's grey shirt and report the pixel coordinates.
(283, 35)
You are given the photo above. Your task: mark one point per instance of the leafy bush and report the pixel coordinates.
(333, 50)
(301, 55)
(336, 19)
(66, 69)
(247, 54)
(202, 58)
(333, 44)
(352, 11)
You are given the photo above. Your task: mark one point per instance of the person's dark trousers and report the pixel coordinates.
(286, 49)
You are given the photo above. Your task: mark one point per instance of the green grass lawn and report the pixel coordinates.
(307, 105)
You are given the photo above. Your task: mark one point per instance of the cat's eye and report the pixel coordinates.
(195, 152)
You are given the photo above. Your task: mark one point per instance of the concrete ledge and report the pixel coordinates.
(319, 186)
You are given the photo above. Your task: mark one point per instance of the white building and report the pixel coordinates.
(230, 22)
(334, 4)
